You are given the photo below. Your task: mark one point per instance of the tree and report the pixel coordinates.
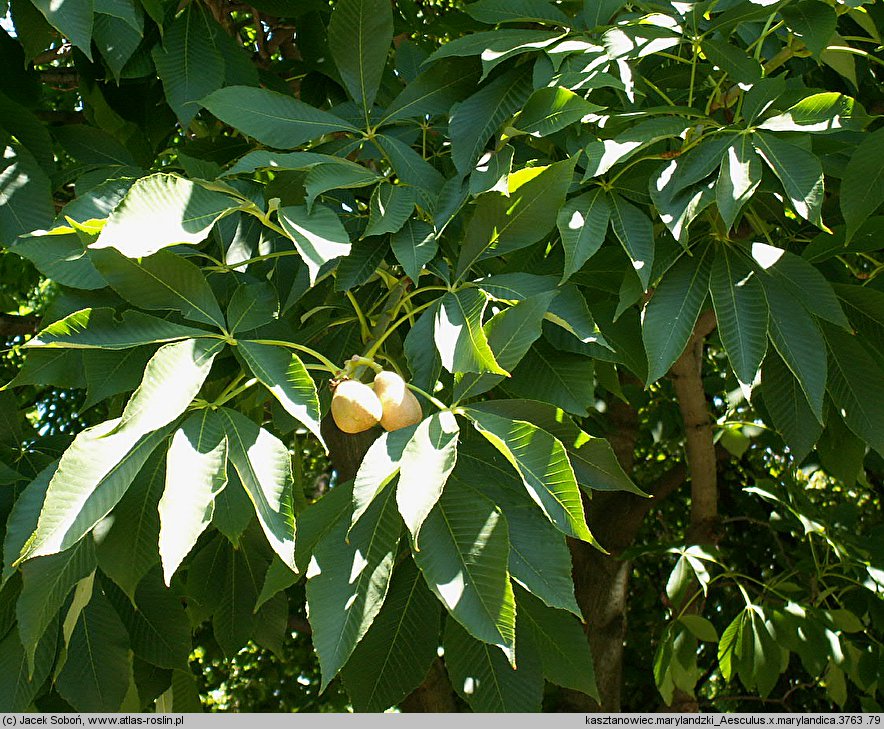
(627, 256)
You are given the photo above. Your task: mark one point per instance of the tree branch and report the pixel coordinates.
(687, 379)
(18, 326)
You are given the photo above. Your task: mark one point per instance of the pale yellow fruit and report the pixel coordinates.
(400, 406)
(355, 407)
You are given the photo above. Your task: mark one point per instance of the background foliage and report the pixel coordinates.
(628, 253)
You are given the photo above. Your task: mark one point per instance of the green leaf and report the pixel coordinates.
(582, 223)
(603, 154)
(162, 210)
(265, 469)
(494, 47)
(95, 677)
(799, 171)
(359, 36)
(278, 578)
(362, 263)
(862, 187)
(424, 362)
(810, 287)
(433, 92)
(820, 114)
(335, 174)
(234, 616)
(595, 465)
(92, 477)
(321, 518)
(18, 685)
(46, 584)
(466, 565)
(399, 647)
(427, 461)
(673, 310)
(156, 622)
(189, 63)
(503, 223)
(510, 334)
(319, 235)
(379, 466)
(284, 374)
(196, 472)
(272, 118)
(542, 463)
(252, 305)
(459, 336)
(172, 378)
(410, 167)
(731, 59)
(233, 509)
(788, 408)
(812, 21)
(738, 178)
(117, 37)
(564, 648)
(99, 329)
(61, 256)
(484, 679)
(348, 581)
(59, 367)
(162, 281)
(73, 19)
(93, 146)
(390, 207)
(110, 372)
(25, 193)
(551, 109)
(493, 12)
(634, 231)
(22, 520)
(599, 12)
(414, 246)
(492, 171)
(563, 379)
(741, 312)
(799, 341)
(128, 550)
(856, 384)
(700, 627)
(476, 119)
(539, 559)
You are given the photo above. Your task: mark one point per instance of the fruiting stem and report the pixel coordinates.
(357, 361)
(329, 365)
(438, 403)
(377, 345)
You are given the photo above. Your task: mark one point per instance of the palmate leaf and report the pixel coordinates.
(788, 408)
(595, 465)
(466, 566)
(539, 559)
(510, 334)
(862, 188)
(414, 245)
(459, 336)
(72, 19)
(252, 305)
(272, 118)
(96, 673)
(542, 463)
(396, 652)
(433, 92)
(264, 466)
(128, 549)
(494, 47)
(46, 584)
(22, 520)
(359, 36)
(485, 680)
(551, 109)
(477, 118)
(189, 63)
(582, 223)
(493, 12)
(25, 194)
(563, 379)
(97, 469)
(196, 472)
(379, 466)
(100, 329)
(318, 235)
(160, 211)
(348, 581)
(673, 310)
(503, 223)
(562, 644)
(283, 373)
(18, 684)
(798, 170)
(61, 256)
(427, 461)
(162, 281)
(741, 312)
(391, 206)
(634, 231)
(738, 178)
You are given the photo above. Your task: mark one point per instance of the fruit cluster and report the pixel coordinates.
(357, 407)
